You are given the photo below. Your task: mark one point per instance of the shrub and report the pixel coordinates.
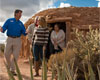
(81, 59)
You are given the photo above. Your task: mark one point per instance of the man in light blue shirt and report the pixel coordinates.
(15, 28)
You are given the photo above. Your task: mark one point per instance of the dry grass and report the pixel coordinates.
(81, 57)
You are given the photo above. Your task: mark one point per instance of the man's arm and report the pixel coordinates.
(1, 29)
(30, 31)
(5, 26)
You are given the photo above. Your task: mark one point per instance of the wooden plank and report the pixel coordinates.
(68, 31)
(59, 20)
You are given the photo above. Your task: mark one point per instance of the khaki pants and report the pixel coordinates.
(13, 47)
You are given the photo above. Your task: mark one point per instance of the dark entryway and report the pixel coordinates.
(50, 47)
(61, 24)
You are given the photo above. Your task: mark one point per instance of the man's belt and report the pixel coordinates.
(14, 36)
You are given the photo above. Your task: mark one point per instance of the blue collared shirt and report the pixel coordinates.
(14, 27)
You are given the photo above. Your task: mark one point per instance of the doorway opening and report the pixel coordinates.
(62, 25)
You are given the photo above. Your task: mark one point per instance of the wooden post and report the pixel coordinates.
(68, 31)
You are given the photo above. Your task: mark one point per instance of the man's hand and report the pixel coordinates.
(1, 29)
(27, 31)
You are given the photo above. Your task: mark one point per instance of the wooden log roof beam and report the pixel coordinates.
(59, 20)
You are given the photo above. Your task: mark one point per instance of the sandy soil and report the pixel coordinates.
(24, 68)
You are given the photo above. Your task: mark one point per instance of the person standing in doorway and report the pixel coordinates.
(58, 39)
(15, 28)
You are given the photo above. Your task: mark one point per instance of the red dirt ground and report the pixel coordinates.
(24, 68)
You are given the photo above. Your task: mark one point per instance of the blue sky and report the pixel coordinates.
(78, 3)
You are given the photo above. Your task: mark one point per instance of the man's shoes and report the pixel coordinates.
(14, 73)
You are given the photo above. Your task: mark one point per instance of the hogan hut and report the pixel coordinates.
(68, 18)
